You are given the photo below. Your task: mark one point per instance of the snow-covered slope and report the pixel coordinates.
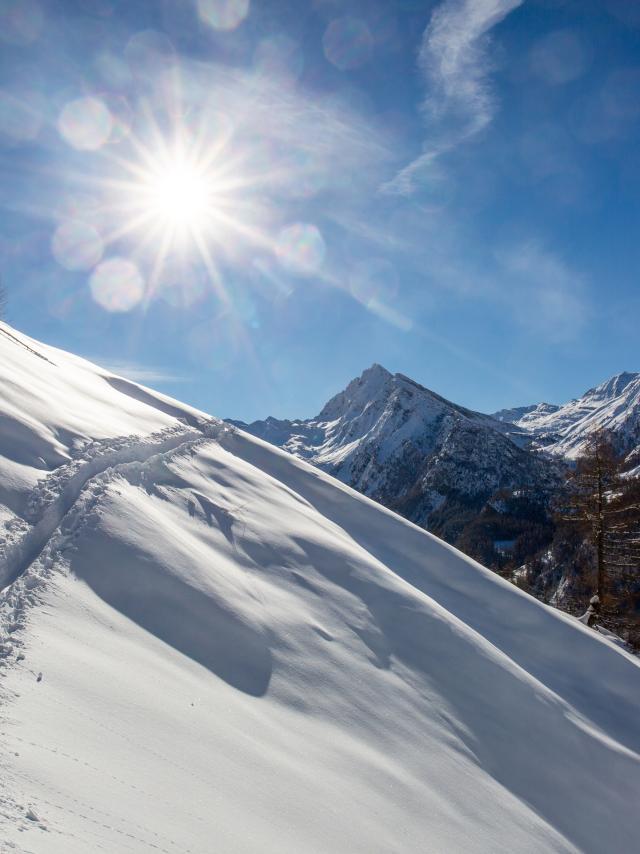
(221, 648)
(536, 410)
(613, 405)
(54, 405)
(407, 447)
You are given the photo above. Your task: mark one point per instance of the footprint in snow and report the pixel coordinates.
(32, 816)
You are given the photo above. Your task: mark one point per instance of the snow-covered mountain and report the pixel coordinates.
(405, 446)
(562, 430)
(207, 644)
(514, 415)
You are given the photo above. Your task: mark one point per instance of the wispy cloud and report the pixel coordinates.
(546, 295)
(455, 63)
(288, 143)
(531, 286)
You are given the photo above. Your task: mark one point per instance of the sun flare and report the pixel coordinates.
(185, 197)
(179, 194)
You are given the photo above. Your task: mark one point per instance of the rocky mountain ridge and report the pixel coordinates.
(613, 405)
(394, 440)
(480, 481)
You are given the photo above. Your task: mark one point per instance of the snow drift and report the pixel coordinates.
(212, 646)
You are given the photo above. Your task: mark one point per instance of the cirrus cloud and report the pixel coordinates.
(455, 64)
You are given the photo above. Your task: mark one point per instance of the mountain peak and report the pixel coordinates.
(368, 386)
(376, 374)
(562, 430)
(616, 385)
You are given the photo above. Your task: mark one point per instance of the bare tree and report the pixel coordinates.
(585, 505)
(605, 506)
(622, 557)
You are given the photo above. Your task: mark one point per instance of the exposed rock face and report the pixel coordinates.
(483, 483)
(410, 449)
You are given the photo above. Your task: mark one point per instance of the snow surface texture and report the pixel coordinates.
(221, 648)
(55, 406)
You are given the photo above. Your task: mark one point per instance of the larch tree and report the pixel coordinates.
(622, 557)
(605, 505)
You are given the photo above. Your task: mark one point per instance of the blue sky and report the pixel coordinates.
(245, 204)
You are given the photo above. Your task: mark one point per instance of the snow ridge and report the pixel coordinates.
(55, 496)
(63, 506)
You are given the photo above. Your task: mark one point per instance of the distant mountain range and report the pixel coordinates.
(448, 468)
(614, 405)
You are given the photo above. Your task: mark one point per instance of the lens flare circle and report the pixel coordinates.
(21, 21)
(347, 43)
(21, 114)
(76, 246)
(223, 14)
(117, 285)
(85, 124)
(301, 249)
(149, 54)
(560, 57)
(373, 281)
(278, 57)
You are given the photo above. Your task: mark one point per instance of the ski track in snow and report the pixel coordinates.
(100, 817)
(58, 508)
(54, 496)
(51, 506)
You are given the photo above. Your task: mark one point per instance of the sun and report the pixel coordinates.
(175, 188)
(178, 194)
(174, 200)
(182, 197)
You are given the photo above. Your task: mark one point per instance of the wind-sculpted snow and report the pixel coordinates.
(54, 496)
(222, 648)
(53, 406)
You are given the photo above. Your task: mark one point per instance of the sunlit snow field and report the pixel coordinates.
(220, 648)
